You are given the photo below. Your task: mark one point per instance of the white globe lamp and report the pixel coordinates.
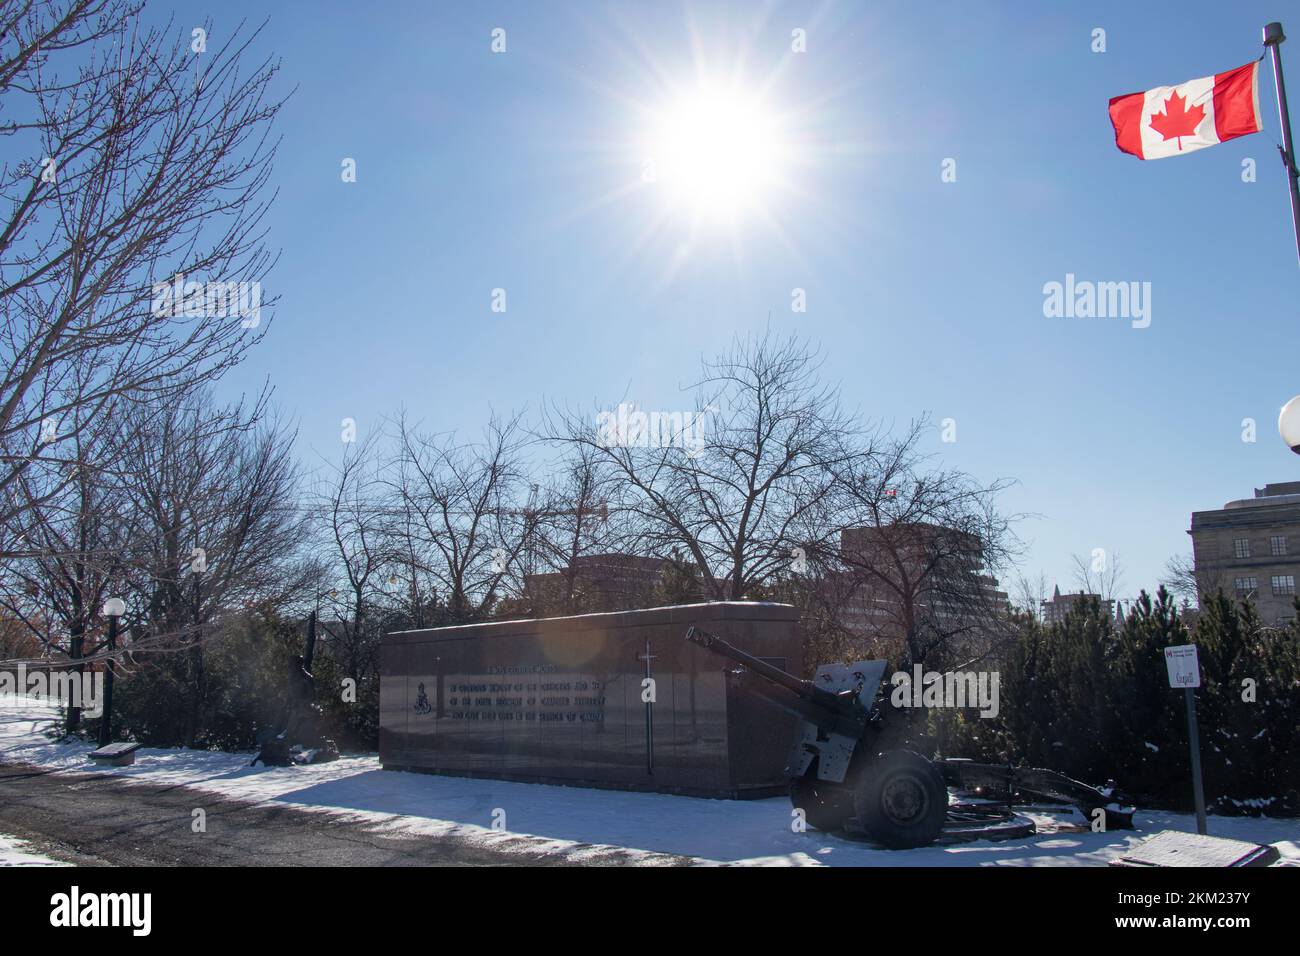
(1288, 424)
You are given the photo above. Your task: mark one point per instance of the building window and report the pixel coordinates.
(1283, 584)
(1277, 543)
(1242, 547)
(1246, 587)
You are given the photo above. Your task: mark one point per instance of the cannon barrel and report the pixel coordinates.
(804, 689)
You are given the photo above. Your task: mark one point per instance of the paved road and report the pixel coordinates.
(98, 820)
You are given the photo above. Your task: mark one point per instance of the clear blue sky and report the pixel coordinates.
(478, 171)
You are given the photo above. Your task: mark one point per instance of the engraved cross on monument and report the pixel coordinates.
(649, 709)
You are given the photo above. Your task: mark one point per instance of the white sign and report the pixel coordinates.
(1184, 670)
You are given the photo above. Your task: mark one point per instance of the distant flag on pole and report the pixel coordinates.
(1172, 120)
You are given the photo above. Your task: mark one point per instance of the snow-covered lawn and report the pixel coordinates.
(581, 823)
(13, 852)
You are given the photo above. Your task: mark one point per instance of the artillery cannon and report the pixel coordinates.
(844, 777)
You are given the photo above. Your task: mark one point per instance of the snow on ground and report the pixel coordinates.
(13, 853)
(580, 823)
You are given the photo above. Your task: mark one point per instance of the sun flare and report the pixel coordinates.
(716, 152)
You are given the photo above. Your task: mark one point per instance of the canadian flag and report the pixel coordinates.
(1172, 120)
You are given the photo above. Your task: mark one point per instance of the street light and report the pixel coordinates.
(1288, 424)
(114, 608)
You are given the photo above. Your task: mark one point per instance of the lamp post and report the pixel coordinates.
(114, 608)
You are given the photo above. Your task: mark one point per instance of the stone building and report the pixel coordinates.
(906, 576)
(1250, 548)
(601, 582)
(1054, 611)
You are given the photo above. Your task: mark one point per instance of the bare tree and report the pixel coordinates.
(917, 549)
(412, 582)
(733, 483)
(216, 524)
(17, 642)
(144, 158)
(75, 539)
(582, 517)
(188, 512)
(1030, 594)
(458, 514)
(1187, 579)
(1101, 574)
(356, 531)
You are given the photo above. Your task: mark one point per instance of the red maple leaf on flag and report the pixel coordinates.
(1177, 120)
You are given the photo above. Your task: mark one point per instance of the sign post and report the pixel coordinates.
(1185, 672)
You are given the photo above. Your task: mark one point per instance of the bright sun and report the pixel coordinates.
(717, 153)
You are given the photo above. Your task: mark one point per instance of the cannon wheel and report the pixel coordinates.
(825, 806)
(901, 800)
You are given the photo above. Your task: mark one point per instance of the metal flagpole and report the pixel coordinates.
(1273, 37)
